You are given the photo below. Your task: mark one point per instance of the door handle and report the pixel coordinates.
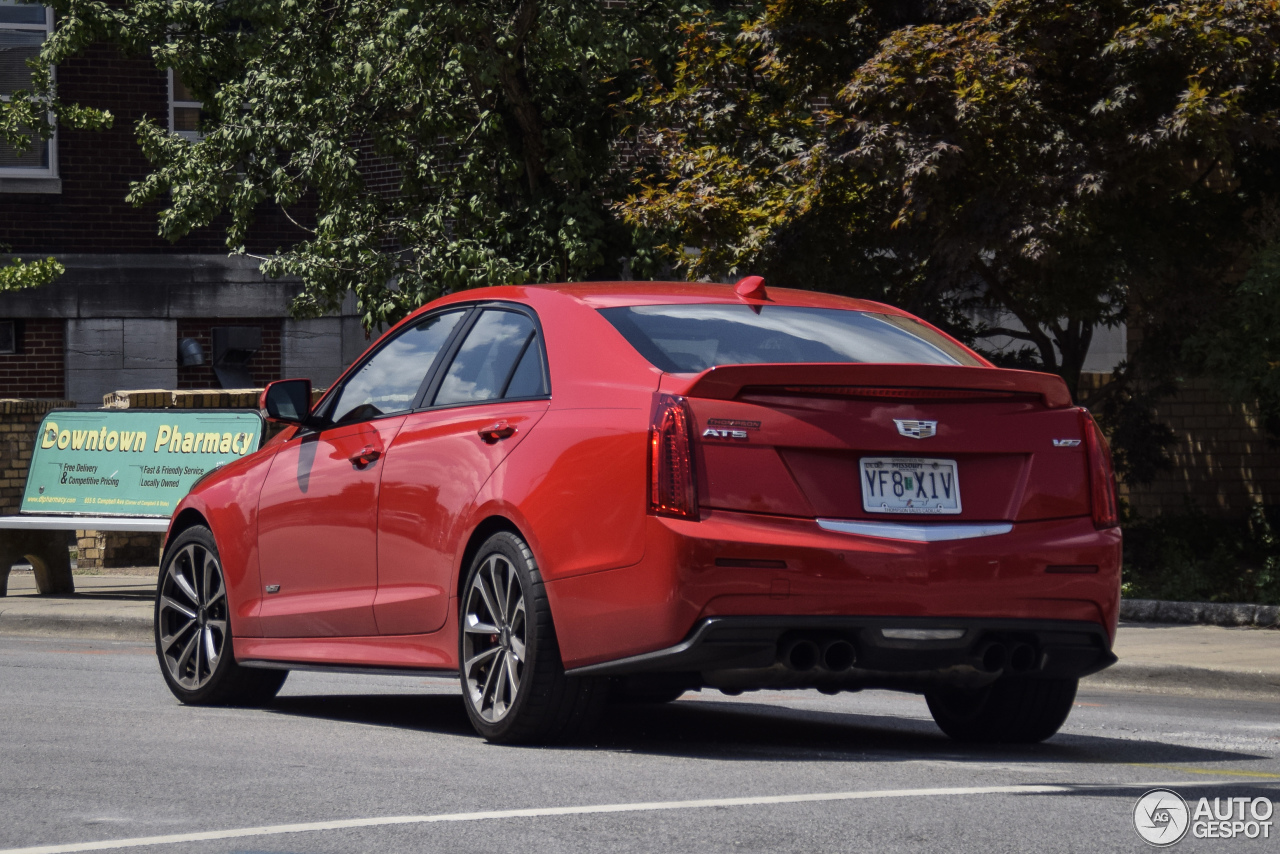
(496, 431)
(367, 455)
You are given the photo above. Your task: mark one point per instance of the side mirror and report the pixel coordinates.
(286, 401)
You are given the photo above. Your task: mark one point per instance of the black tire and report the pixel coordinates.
(1010, 711)
(192, 618)
(539, 704)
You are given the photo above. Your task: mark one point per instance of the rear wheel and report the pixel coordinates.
(513, 682)
(1012, 711)
(193, 630)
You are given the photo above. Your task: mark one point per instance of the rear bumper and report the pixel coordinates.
(751, 565)
(907, 653)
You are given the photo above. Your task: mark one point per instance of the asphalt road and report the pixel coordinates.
(93, 748)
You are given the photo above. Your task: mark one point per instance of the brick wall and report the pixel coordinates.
(19, 423)
(37, 369)
(115, 549)
(264, 367)
(96, 167)
(1223, 462)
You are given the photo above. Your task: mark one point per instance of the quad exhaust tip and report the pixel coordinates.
(1022, 658)
(992, 656)
(803, 654)
(838, 655)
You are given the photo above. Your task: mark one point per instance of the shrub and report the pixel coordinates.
(1193, 557)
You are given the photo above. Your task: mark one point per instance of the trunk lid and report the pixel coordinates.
(791, 439)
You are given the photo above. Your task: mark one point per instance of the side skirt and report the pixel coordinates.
(346, 668)
(432, 654)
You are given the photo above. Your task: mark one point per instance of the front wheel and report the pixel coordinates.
(513, 682)
(1011, 711)
(193, 629)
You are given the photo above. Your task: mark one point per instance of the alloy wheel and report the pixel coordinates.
(494, 638)
(192, 616)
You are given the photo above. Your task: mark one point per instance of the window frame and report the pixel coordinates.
(320, 418)
(175, 104)
(15, 325)
(50, 171)
(441, 369)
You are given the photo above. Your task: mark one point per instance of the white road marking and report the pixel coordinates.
(540, 812)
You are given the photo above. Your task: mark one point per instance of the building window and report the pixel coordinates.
(8, 337)
(184, 109)
(23, 28)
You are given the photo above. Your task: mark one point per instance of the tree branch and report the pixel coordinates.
(1012, 333)
(516, 90)
(1034, 331)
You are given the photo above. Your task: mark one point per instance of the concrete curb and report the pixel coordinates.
(1200, 613)
(104, 627)
(1188, 681)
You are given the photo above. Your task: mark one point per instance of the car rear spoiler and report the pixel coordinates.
(727, 381)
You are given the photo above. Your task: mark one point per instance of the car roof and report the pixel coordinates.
(614, 294)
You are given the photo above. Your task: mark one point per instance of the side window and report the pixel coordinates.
(389, 381)
(528, 380)
(494, 356)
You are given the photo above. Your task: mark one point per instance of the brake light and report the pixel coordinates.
(1102, 476)
(902, 393)
(673, 491)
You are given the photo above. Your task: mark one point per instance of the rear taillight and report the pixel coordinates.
(1102, 476)
(673, 490)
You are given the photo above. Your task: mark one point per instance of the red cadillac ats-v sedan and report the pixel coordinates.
(572, 494)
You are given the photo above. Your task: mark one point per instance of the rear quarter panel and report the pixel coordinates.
(576, 485)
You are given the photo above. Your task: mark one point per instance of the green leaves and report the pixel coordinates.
(1030, 168)
(17, 274)
(418, 147)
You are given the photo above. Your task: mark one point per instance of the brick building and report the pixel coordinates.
(130, 298)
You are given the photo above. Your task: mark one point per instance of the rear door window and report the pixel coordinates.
(692, 338)
(500, 358)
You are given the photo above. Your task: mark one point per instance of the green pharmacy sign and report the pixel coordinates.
(131, 463)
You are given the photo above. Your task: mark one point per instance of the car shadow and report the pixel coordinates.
(738, 730)
(437, 713)
(93, 595)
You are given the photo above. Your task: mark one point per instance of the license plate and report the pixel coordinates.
(909, 485)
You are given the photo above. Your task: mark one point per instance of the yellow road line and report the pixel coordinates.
(1213, 772)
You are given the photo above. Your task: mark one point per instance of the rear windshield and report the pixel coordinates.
(692, 338)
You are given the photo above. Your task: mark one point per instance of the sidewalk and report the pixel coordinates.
(1203, 660)
(114, 607)
(1154, 658)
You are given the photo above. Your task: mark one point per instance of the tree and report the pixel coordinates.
(1240, 343)
(419, 146)
(1070, 164)
(735, 132)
